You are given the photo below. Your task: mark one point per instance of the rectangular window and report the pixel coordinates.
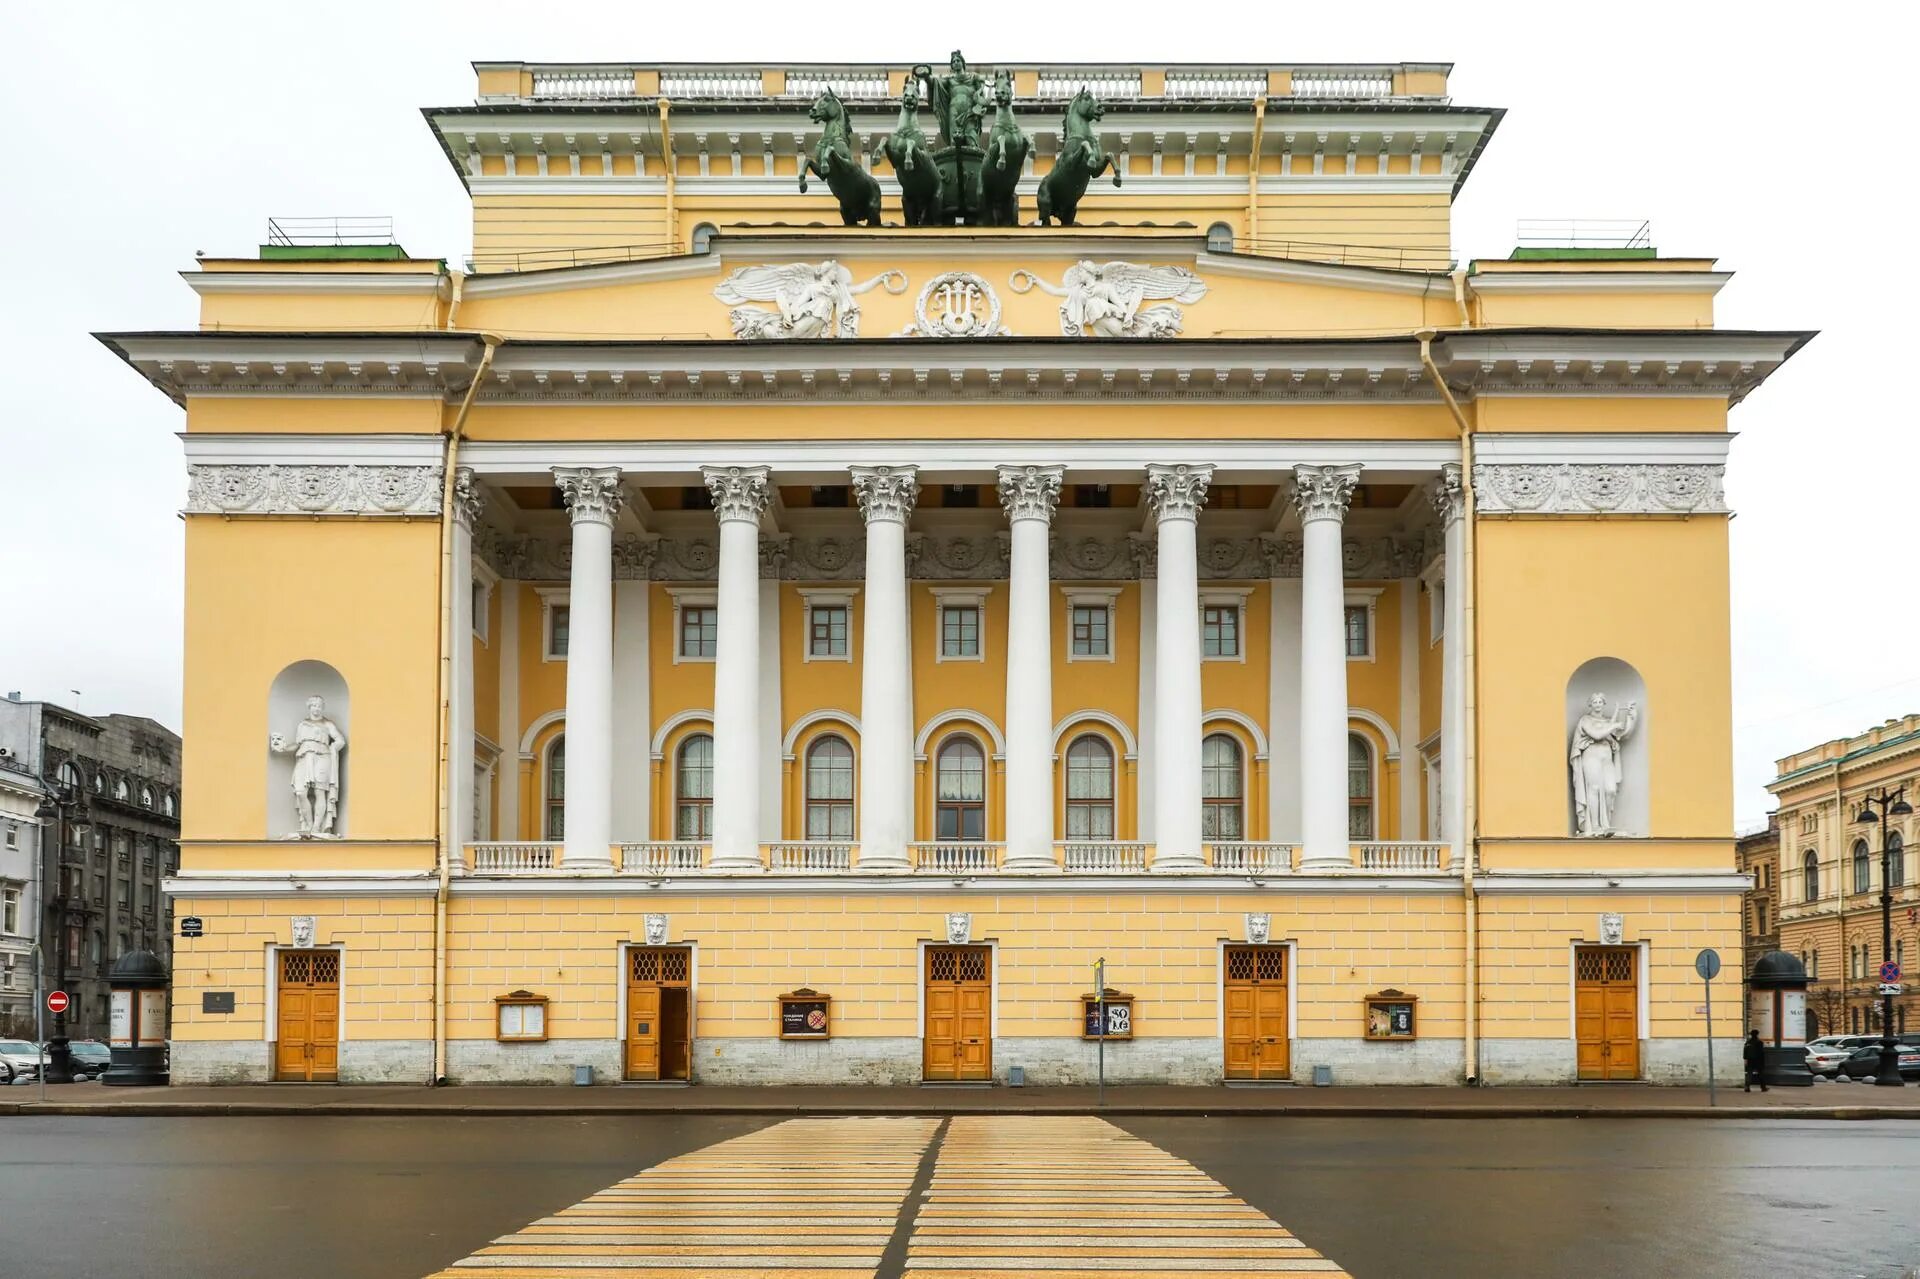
(1220, 630)
(559, 628)
(13, 837)
(827, 630)
(6, 974)
(699, 627)
(1359, 641)
(1808, 823)
(960, 630)
(10, 911)
(1090, 622)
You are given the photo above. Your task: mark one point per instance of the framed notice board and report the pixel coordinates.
(806, 1014)
(1390, 1015)
(1119, 1010)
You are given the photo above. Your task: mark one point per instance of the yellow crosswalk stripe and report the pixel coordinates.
(1072, 1197)
(804, 1199)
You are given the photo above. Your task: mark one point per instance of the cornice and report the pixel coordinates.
(1708, 282)
(1579, 448)
(781, 187)
(1587, 883)
(1332, 275)
(566, 279)
(206, 283)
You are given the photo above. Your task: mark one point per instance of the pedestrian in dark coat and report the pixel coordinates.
(1754, 1053)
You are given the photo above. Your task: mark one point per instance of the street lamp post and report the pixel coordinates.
(61, 806)
(1891, 803)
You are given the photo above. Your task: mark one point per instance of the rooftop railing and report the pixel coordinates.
(1584, 233)
(287, 232)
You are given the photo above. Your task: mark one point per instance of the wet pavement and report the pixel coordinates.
(400, 1198)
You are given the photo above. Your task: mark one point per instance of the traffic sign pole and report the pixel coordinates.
(1100, 1022)
(1707, 964)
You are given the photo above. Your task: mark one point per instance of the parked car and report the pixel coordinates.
(1865, 1062)
(18, 1060)
(90, 1058)
(1825, 1057)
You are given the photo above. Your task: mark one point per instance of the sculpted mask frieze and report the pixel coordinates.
(811, 300)
(346, 489)
(1119, 299)
(1599, 489)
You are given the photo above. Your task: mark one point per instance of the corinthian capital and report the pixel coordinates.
(593, 493)
(469, 499)
(1322, 492)
(739, 492)
(1448, 494)
(1177, 492)
(1030, 492)
(886, 492)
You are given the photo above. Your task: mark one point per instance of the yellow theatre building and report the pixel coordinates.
(733, 633)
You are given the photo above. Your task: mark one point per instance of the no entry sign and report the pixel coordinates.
(57, 1001)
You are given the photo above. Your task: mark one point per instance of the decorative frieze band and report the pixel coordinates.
(345, 489)
(1599, 489)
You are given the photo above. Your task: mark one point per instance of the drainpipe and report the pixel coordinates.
(1253, 172)
(666, 157)
(443, 812)
(1469, 738)
(456, 288)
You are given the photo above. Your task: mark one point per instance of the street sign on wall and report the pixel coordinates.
(1889, 972)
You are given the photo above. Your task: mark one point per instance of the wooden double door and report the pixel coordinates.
(958, 1043)
(1606, 1011)
(659, 1029)
(307, 1019)
(1254, 1003)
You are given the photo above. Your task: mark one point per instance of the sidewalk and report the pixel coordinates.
(1619, 1101)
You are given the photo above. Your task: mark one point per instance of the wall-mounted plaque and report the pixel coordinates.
(806, 1014)
(216, 1001)
(1390, 1015)
(1118, 1007)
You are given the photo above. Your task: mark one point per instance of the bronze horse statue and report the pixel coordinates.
(912, 160)
(1007, 150)
(832, 162)
(1081, 160)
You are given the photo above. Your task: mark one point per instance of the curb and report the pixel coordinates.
(240, 1109)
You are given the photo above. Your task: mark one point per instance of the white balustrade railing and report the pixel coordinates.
(586, 82)
(1401, 856)
(711, 84)
(804, 855)
(660, 857)
(1102, 854)
(845, 84)
(495, 858)
(947, 857)
(1254, 857)
(1216, 84)
(1344, 82)
(1104, 85)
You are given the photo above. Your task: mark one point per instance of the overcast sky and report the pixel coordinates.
(1758, 134)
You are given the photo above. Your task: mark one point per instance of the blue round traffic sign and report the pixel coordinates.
(1889, 971)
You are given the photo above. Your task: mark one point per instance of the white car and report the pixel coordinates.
(1825, 1058)
(18, 1060)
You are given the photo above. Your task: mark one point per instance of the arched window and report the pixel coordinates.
(166, 804)
(69, 778)
(146, 797)
(1222, 789)
(830, 789)
(703, 237)
(1089, 788)
(121, 791)
(960, 791)
(1862, 867)
(99, 783)
(1810, 872)
(556, 823)
(1359, 788)
(693, 789)
(1219, 238)
(1896, 859)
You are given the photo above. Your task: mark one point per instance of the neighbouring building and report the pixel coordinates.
(859, 629)
(115, 783)
(1758, 856)
(1830, 872)
(20, 796)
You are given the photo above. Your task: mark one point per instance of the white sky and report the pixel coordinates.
(1761, 134)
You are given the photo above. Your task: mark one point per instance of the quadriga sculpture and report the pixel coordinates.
(1081, 161)
(1007, 148)
(913, 163)
(833, 162)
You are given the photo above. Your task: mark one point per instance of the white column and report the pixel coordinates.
(886, 495)
(772, 718)
(507, 772)
(1146, 732)
(1321, 494)
(1449, 502)
(1176, 494)
(593, 498)
(1283, 689)
(633, 690)
(740, 496)
(1029, 495)
(468, 501)
(1410, 730)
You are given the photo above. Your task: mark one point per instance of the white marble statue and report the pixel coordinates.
(814, 299)
(1595, 760)
(316, 746)
(1106, 299)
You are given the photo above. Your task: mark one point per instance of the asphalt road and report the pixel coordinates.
(353, 1198)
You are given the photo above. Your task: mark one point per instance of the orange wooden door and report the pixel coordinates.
(1606, 1012)
(958, 1040)
(307, 1029)
(652, 970)
(1254, 1007)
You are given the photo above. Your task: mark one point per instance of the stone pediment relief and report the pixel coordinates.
(810, 300)
(1119, 299)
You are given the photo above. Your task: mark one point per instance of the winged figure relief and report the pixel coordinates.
(1119, 299)
(811, 299)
